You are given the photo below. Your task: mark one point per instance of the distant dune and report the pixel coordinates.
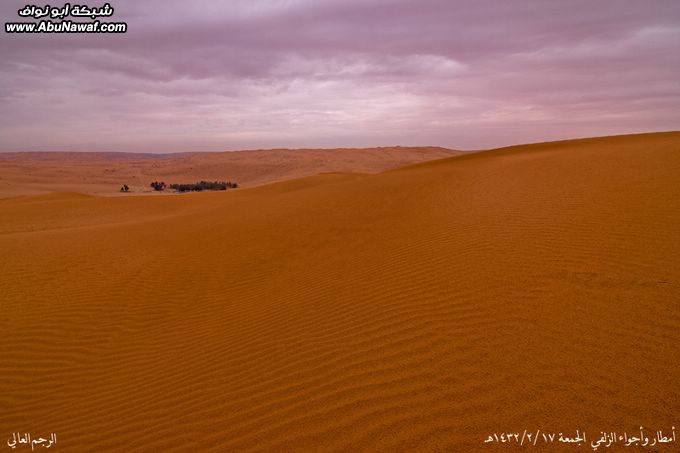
(418, 309)
(105, 173)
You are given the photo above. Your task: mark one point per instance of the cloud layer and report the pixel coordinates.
(207, 75)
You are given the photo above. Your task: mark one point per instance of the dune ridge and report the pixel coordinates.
(418, 309)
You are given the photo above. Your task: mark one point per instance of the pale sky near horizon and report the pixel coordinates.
(245, 74)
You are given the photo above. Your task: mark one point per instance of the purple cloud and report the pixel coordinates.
(326, 73)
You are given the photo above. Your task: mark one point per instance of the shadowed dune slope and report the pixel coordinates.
(105, 173)
(423, 308)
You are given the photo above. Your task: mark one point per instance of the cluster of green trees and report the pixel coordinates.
(158, 185)
(204, 185)
(196, 187)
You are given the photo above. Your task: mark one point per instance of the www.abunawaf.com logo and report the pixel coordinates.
(65, 19)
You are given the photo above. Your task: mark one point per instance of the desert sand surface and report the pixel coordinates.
(32, 173)
(420, 309)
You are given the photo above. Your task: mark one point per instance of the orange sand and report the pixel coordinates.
(420, 309)
(105, 173)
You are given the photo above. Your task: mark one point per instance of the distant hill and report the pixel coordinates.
(103, 173)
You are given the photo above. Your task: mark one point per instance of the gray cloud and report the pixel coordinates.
(243, 74)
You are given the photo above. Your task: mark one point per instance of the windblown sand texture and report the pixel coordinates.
(104, 173)
(419, 309)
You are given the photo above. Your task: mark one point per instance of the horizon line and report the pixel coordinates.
(177, 153)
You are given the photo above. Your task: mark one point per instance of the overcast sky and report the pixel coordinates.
(243, 74)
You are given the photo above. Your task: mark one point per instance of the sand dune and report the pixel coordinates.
(105, 173)
(419, 309)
